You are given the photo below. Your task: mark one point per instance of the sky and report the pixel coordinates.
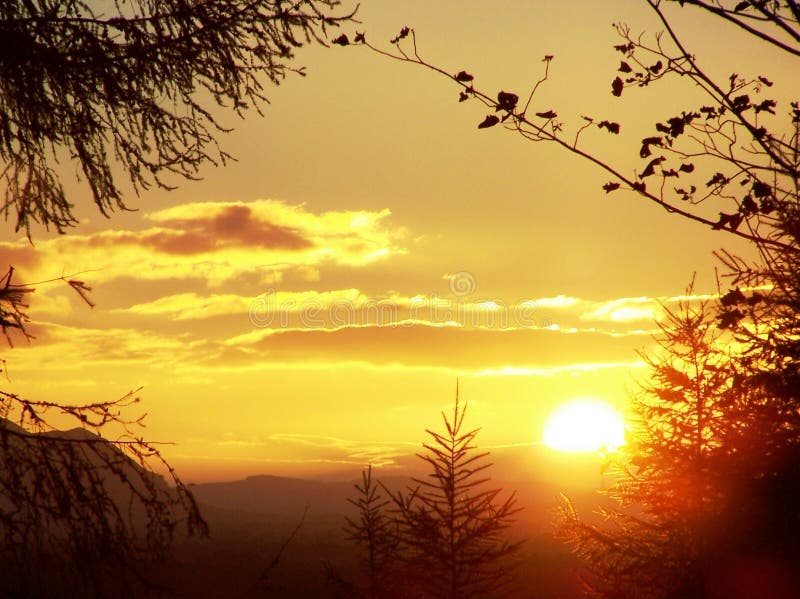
(309, 307)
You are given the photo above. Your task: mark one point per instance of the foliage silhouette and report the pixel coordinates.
(446, 535)
(134, 90)
(736, 152)
(377, 532)
(81, 515)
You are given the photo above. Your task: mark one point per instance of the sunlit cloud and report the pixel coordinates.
(216, 242)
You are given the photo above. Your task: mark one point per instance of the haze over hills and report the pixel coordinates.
(250, 519)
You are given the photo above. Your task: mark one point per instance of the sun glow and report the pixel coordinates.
(585, 425)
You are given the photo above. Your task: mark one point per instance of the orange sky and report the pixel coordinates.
(301, 310)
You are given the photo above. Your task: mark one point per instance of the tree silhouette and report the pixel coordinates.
(446, 533)
(707, 487)
(81, 515)
(671, 486)
(123, 87)
(377, 533)
(132, 86)
(736, 152)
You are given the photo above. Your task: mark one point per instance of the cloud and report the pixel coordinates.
(423, 344)
(216, 242)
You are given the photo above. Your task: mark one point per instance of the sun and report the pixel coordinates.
(585, 425)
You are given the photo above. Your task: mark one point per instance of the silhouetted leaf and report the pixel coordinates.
(655, 68)
(646, 143)
(547, 115)
(342, 40)
(610, 186)
(748, 205)
(650, 168)
(766, 106)
(489, 121)
(616, 87)
(687, 167)
(625, 48)
(761, 189)
(718, 179)
(669, 173)
(464, 77)
(547, 58)
(730, 221)
(403, 34)
(765, 81)
(463, 96)
(359, 38)
(639, 186)
(740, 103)
(507, 101)
(741, 6)
(612, 127)
(624, 67)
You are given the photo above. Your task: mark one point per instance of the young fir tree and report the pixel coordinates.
(376, 532)
(447, 534)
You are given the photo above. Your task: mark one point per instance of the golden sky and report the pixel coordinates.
(310, 306)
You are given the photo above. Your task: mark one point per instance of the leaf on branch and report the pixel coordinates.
(507, 101)
(718, 179)
(489, 121)
(463, 96)
(464, 77)
(612, 127)
(547, 58)
(687, 167)
(711, 112)
(761, 189)
(624, 67)
(766, 106)
(342, 40)
(765, 81)
(359, 38)
(740, 103)
(731, 221)
(741, 6)
(616, 87)
(547, 115)
(647, 142)
(748, 205)
(610, 186)
(686, 195)
(639, 186)
(625, 48)
(669, 173)
(402, 35)
(650, 168)
(655, 68)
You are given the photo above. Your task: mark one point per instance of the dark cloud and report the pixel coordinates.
(233, 226)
